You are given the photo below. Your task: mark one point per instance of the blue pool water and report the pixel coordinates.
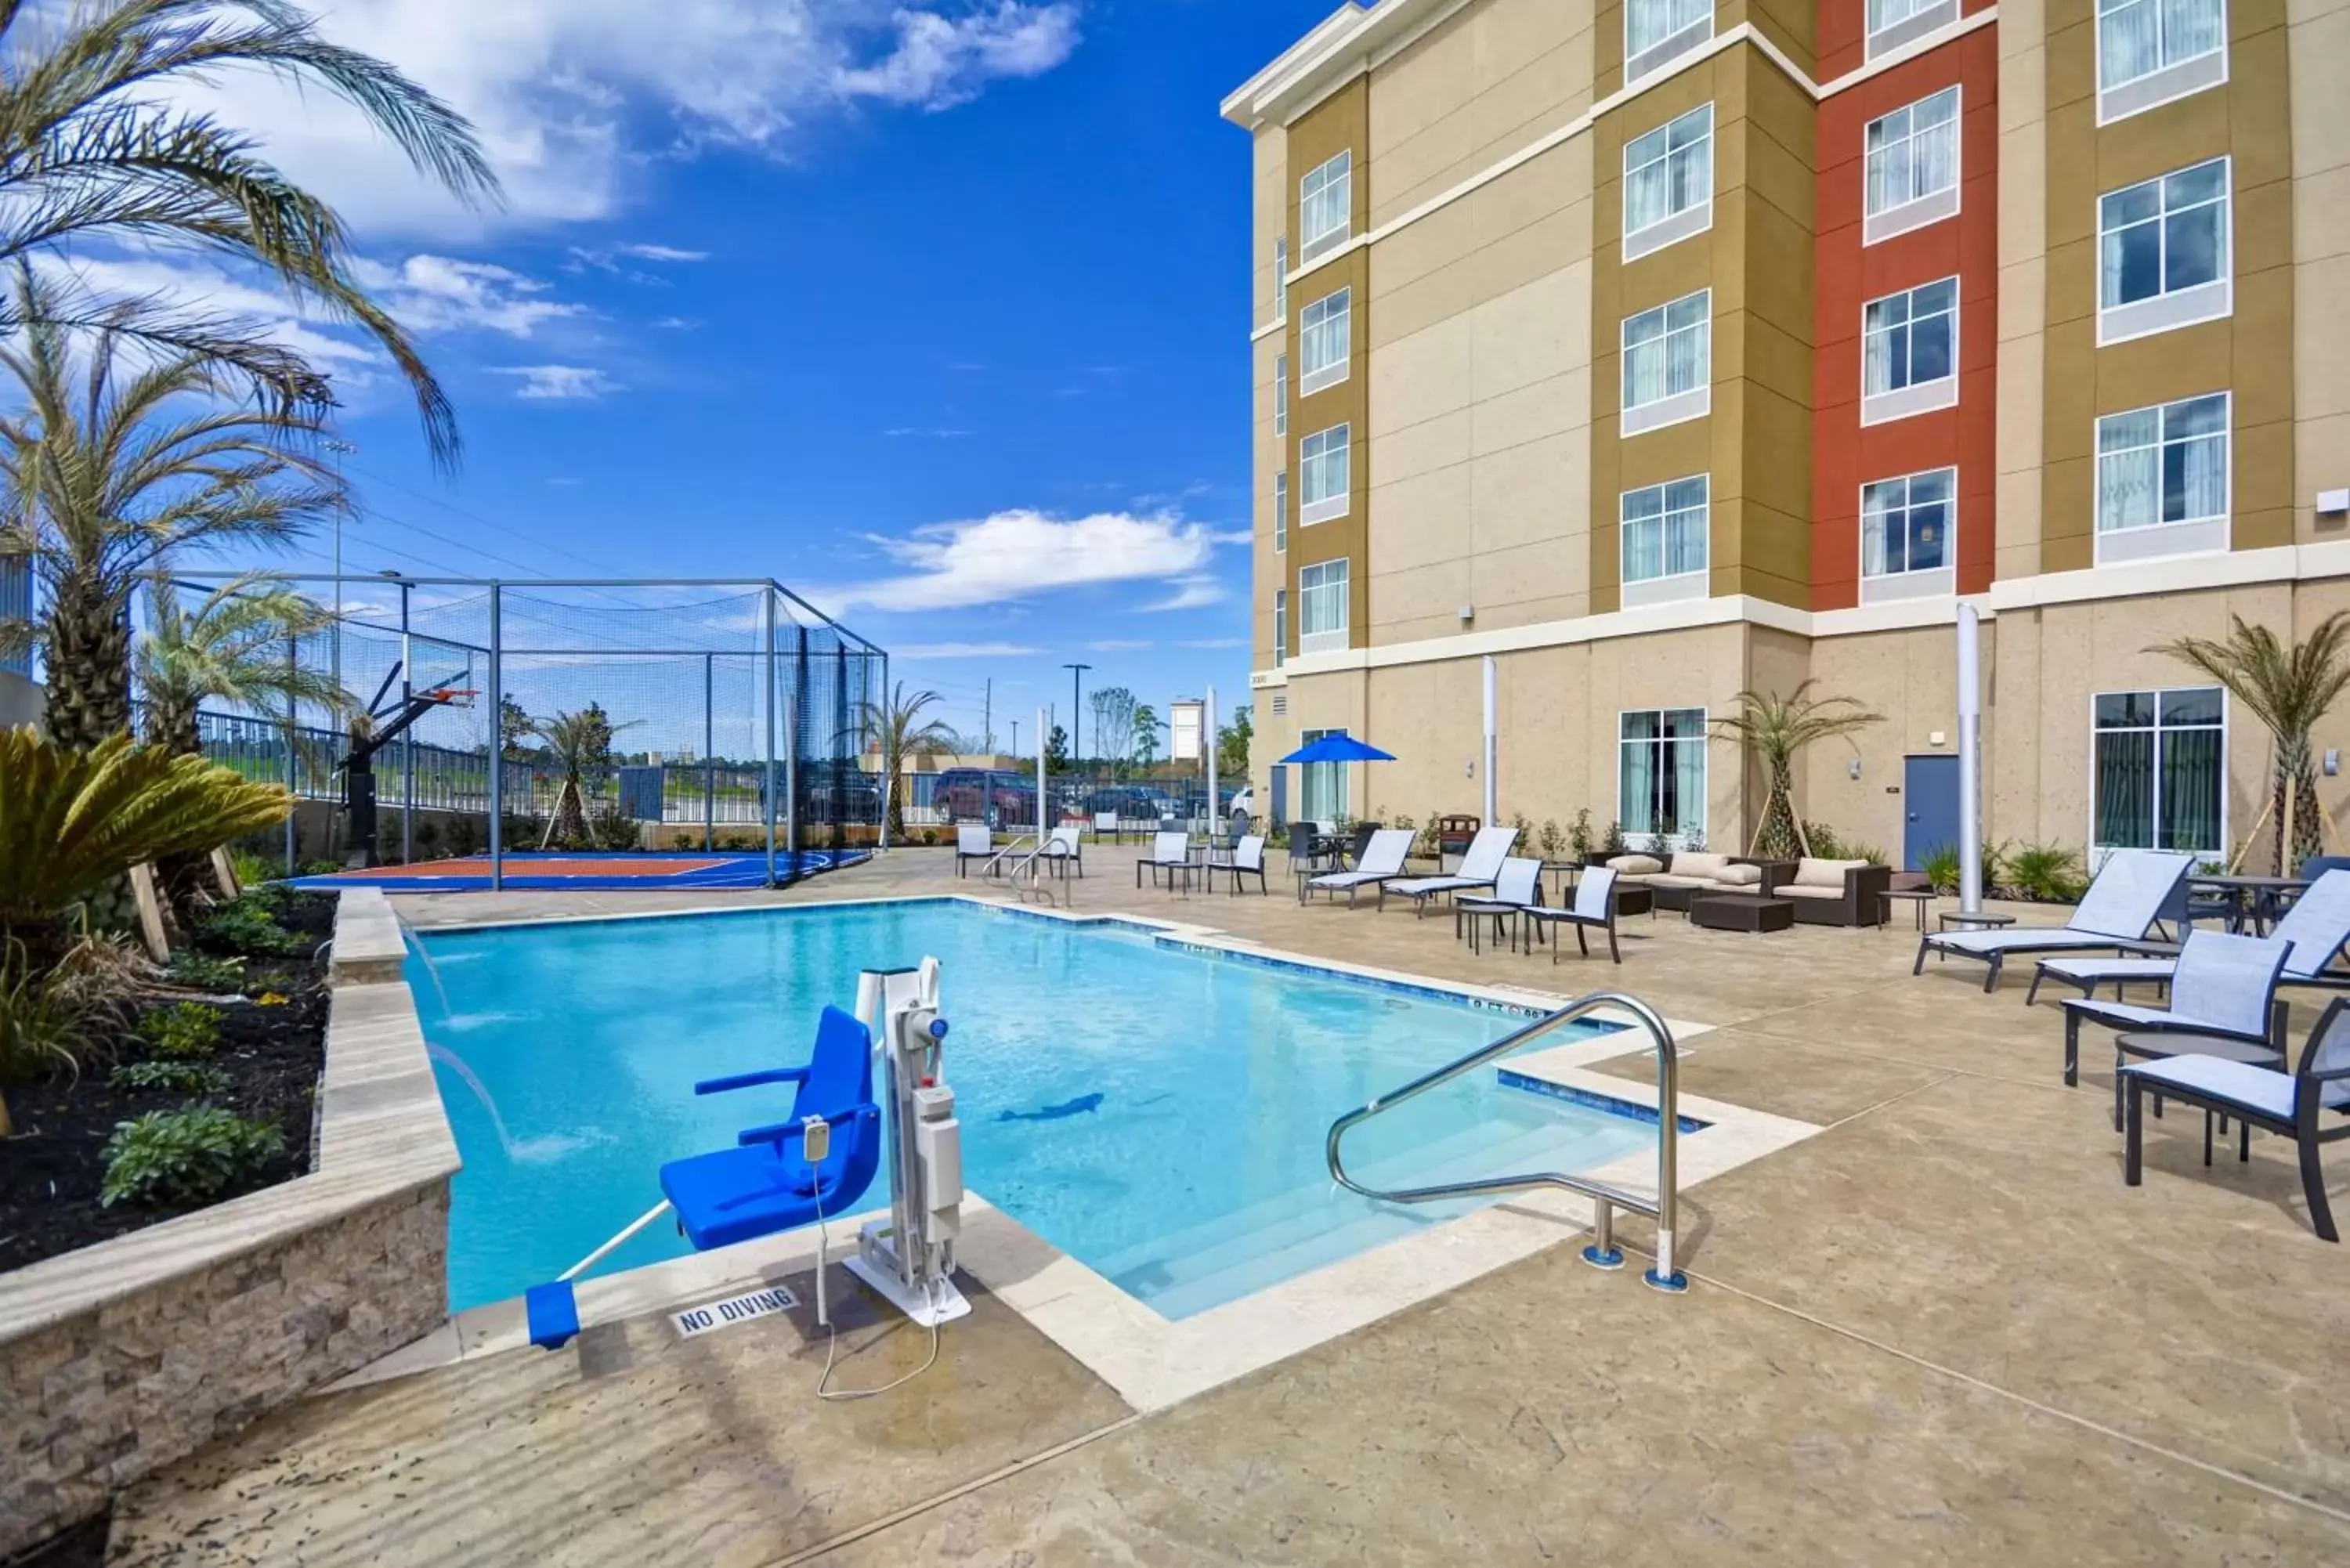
(567, 1056)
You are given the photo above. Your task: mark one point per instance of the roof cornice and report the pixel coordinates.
(1346, 43)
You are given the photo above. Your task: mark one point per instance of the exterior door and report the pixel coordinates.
(1929, 795)
(1279, 816)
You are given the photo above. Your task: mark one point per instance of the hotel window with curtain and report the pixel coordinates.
(1668, 361)
(1324, 457)
(1324, 340)
(1325, 206)
(1281, 396)
(1666, 532)
(2162, 253)
(1281, 278)
(2152, 51)
(1905, 536)
(1668, 182)
(1322, 789)
(1893, 22)
(1660, 785)
(1322, 606)
(1657, 32)
(1280, 510)
(1912, 167)
(2162, 766)
(2162, 480)
(1280, 627)
(1910, 352)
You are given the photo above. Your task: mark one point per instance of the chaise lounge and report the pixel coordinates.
(2317, 926)
(1480, 866)
(2128, 895)
(1381, 860)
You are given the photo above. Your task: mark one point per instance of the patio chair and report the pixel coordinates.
(2224, 985)
(1480, 866)
(973, 841)
(1594, 909)
(2292, 1105)
(2127, 895)
(1380, 859)
(2316, 926)
(1248, 861)
(1106, 827)
(1303, 838)
(1063, 847)
(1169, 853)
(1517, 887)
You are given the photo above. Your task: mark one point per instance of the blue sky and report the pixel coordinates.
(934, 311)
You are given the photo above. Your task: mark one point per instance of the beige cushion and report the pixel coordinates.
(1669, 879)
(1689, 863)
(1740, 875)
(1809, 873)
(1636, 865)
(1797, 890)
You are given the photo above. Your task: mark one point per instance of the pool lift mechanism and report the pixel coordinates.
(817, 1164)
(384, 724)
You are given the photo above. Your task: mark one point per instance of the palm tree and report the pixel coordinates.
(89, 149)
(1773, 729)
(894, 729)
(108, 470)
(2289, 689)
(230, 649)
(579, 741)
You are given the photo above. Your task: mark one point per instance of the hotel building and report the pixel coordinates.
(1664, 351)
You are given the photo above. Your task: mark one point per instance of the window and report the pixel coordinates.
(1905, 536)
(1281, 510)
(1281, 396)
(1660, 781)
(2151, 51)
(1281, 278)
(1667, 359)
(2162, 480)
(1893, 22)
(15, 604)
(1912, 177)
(2162, 252)
(1325, 206)
(1323, 331)
(1280, 627)
(2161, 762)
(1658, 31)
(1323, 797)
(1668, 182)
(1323, 455)
(1322, 606)
(1665, 539)
(1909, 352)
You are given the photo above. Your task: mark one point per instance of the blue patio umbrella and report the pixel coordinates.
(1338, 749)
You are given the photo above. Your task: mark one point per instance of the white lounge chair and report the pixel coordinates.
(1382, 860)
(973, 841)
(1594, 909)
(1517, 887)
(1170, 853)
(1480, 866)
(1248, 861)
(1063, 847)
(2130, 893)
(2317, 926)
(2224, 986)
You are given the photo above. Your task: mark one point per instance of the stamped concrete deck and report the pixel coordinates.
(1940, 1331)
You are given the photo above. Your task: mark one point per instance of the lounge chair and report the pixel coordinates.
(1380, 860)
(1169, 853)
(1480, 866)
(1248, 861)
(1517, 887)
(2294, 1105)
(2224, 985)
(973, 841)
(2317, 926)
(1594, 909)
(2128, 894)
(1063, 847)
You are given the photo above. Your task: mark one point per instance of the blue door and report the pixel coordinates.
(1280, 817)
(1929, 795)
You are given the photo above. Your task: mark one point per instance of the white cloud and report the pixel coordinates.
(1193, 592)
(577, 100)
(1116, 644)
(939, 652)
(933, 432)
(568, 383)
(1016, 553)
(643, 252)
(1216, 642)
(678, 323)
(439, 294)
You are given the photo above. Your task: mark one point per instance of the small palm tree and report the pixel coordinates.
(112, 467)
(579, 742)
(2288, 690)
(1773, 729)
(894, 729)
(90, 149)
(231, 648)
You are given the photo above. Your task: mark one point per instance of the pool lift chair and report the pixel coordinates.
(819, 1162)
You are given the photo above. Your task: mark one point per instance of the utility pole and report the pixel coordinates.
(987, 714)
(1015, 737)
(1077, 710)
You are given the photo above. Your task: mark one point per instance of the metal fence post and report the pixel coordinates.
(497, 748)
(892, 767)
(768, 665)
(408, 737)
(293, 719)
(708, 755)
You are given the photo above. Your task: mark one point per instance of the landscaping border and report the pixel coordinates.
(119, 1359)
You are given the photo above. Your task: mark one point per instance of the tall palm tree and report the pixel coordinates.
(1773, 729)
(579, 741)
(116, 461)
(2288, 690)
(91, 148)
(231, 648)
(894, 729)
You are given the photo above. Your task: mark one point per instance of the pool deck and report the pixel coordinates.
(1939, 1330)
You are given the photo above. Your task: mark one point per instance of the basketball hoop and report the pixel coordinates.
(449, 696)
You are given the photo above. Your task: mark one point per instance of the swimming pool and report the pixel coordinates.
(1154, 1109)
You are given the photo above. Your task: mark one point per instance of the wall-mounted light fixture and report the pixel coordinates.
(1855, 767)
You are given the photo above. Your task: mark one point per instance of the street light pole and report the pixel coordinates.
(1077, 710)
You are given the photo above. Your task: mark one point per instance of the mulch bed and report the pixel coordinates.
(51, 1171)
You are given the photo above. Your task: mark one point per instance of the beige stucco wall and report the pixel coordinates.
(1269, 206)
(1268, 452)
(2022, 280)
(2319, 43)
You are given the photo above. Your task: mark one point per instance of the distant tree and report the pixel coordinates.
(515, 726)
(1146, 726)
(1233, 744)
(1056, 750)
(1114, 711)
(580, 742)
(893, 729)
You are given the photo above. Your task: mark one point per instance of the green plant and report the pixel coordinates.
(1612, 842)
(1693, 838)
(175, 1077)
(1579, 836)
(253, 870)
(1773, 729)
(245, 925)
(612, 828)
(893, 729)
(2046, 873)
(320, 867)
(1940, 866)
(183, 1031)
(191, 1155)
(229, 649)
(203, 971)
(426, 837)
(1550, 840)
(41, 1025)
(464, 835)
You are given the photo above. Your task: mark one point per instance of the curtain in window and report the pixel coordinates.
(1644, 372)
(1654, 21)
(1888, 169)
(1647, 195)
(1876, 501)
(1687, 807)
(1644, 547)
(2125, 789)
(1692, 174)
(1685, 527)
(1637, 786)
(1934, 157)
(2128, 466)
(2190, 27)
(1685, 358)
(2126, 42)
(2191, 775)
(2195, 469)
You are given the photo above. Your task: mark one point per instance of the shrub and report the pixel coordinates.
(246, 925)
(179, 1077)
(425, 836)
(320, 867)
(191, 1155)
(40, 1024)
(2045, 873)
(182, 1031)
(1693, 839)
(611, 828)
(1941, 867)
(202, 972)
(253, 870)
(1613, 843)
(1579, 836)
(464, 835)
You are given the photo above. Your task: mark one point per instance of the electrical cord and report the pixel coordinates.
(832, 1342)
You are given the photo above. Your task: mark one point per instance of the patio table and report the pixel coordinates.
(2259, 899)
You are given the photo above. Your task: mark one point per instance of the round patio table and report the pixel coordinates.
(1978, 921)
(2258, 898)
(1917, 896)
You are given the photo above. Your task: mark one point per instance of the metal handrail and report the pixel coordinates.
(997, 858)
(1606, 1197)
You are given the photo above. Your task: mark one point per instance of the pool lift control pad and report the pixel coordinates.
(910, 1257)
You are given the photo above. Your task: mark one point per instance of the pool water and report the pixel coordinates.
(567, 1055)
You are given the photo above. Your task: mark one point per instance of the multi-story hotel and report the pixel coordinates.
(1664, 351)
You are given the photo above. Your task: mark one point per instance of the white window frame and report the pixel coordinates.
(1281, 277)
(1326, 787)
(1312, 246)
(2181, 78)
(1335, 505)
(1672, 408)
(2183, 536)
(1280, 627)
(1917, 18)
(1691, 582)
(2212, 300)
(2098, 851)
(1666, 49)
(1911, 582)
(1926, 207)
(1281, 512)
(1336, 320)
(1674, 227)
(1329, 639)
(1914, 396)
(1705, 767)
(1280, 395)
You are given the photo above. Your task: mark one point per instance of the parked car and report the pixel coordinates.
(980, 795)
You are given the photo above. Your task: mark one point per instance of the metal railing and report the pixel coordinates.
(1606, 1197)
